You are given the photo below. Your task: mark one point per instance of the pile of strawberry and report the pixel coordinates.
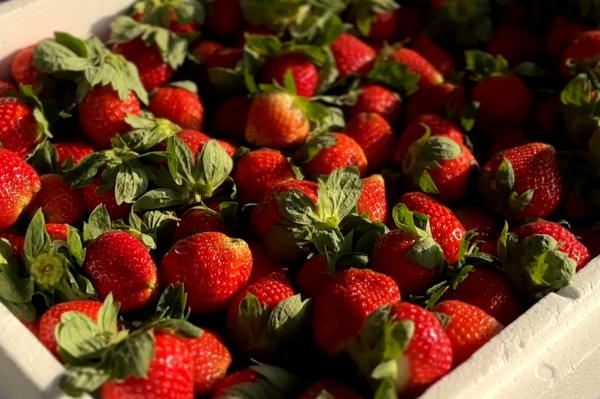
(296, 199)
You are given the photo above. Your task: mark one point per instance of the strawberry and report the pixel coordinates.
(376, 138)
(57, 232)
(468, 329)
(224, 57)
(436, 56)
(75, 150)
(480, 221)
(260, 171)
(117, 262)
(417, 64)
(374, 98)
(342, 306)
(548, 116)
(490, 291)
(212, 266)
(333, 388)
(304, 72)
(352, 55)
(93, 196)
(261, 263)
(562, 33)
(523, 181)
(243, 376)
(179, 105)
(22, 69)
(585, 49)
(373, 200)
(444, 100)
(179, 16)
(19, 183)
(52, 318)
(210, 359)
(432, 151)
(587, 236)
(507, 137)
(328, 152)
(223, 125)
(196, 141)
(59, 202)
(16, 241)
(575, 208)
(263, 380)
(199, 220)
(225, 18)
(5, 86)
(407, 335)
(516, 45)
(33, 326)
(446, 229)
(313, 276)
(411, 22)
(383, 27)
(205, 49)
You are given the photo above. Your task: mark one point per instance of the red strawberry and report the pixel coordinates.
(22, 69)
(469, 328)
(438, 126)
(417, 64)
(224, 57)
(436, 56)
(212, 267)
(174, 25)
(313, 276)
(562, 33)
(154, 71)
(574, 208)
(180, 106)
(57, 232)
(52, 318)
(170, 374)
(376, 99)
(118, 263)
(16, 240)
(473, 218)
(93, 197)
(445, 100)
(210, 359)
(102, 114)
(507, 137)
(19, 131)
(588, 237)
(376, 138)
(33, 326)
(342, 306)
(196, 141)
(5, 86)
(76, 150)
(352, 55)
(373, 200)
(383, 26)
(515, 44)
(523, 181)
(502, 99)
(585, 48)
(547, 116)
(58, 201)
(446, 230)
(19, 183)
(205, 49)
(261, 263)
(225, 18)
(340, 152)
(243, 376)
(223, 125)
(260, 171)
(198, 221)
(303, 70)
(411, 22)
(333, 388)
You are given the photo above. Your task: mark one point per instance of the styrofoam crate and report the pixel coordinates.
(551, 352)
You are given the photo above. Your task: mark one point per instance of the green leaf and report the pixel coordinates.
(132, 356)
(468, 116)
(311, 148)
(79, 338)
(252, 318)
(107, 316)
(76, 381)
(15, 289)
(387, 369)
(147, 132)
(161, 12)
(529, 69)
(289, 318)
(157, 199)
(577, 91)
(181, 160)
(187, 85)
(284, 381)
(75, 245)
(394, 75)
(484, 65)
(386, 390)
(44, 159)
(172, 303)
(338, 195)
(97, 224)
(36, 238)
(518, 202)
(427, 253)
(296, 207)
(86, 170)
(212, 168)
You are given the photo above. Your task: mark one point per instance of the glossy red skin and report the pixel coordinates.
(383, 28)
(436, 100)
(411, 22)
(375, 98)
(344, 153)
(414, 131)
(588, 237)
(33, 326)
(73, 149)
(195, 141)
(243, 376)
(260, 171)
(213, 267)
(336, 389)
(225, 19)
(267, 214)
(417, 64)
(490, 291)
(262, 265)
(223, 125)
(154, 72)
(428, 356)
(52, 318)
(547, 115)
(352, 55)
(22, 69)
(516, 45)
(18, 128)
(16, 240)
(170, 374)
(376, 138)
(6, 86)
(303, 70)
(59, 202)
(342, 306)
(93, 198)
(210, 360)
(445, 226)
(57, 232)
(535, 167)
(224, 57)
(584, 48)
(205, 49)
(118, 262)
(373, 200)
(570, 245)
(507, 137)
(102, 114)
(179, 106)
(474, 218)
(19, 182)
(437, 56)
(562, 33)
(503, 99)
(469, 328)
(199, 221)
(313, 276)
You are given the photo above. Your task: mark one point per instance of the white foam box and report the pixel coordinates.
(551, 352)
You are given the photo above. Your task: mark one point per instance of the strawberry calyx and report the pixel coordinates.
(164, 12)
(484, 65)
(310, 149)
(468, 21)
(16, 290)
(272, 382)
(393, 74)
(147, 132)
(318, 23)
(275, 15)
(364, 12)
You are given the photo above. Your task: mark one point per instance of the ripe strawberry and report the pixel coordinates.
(76, 150)
(352, 55)
(196, 141)
(223, 125)
(376, 138)
(58, 201)
(93, 197)
(210, 360)
(224, 57)
(33, 326)
(225, 18)
(5, 86)
(486, 226)
(19, 131)
(337, 151)
(562, 33)
(516, 45)
(16, 240)
(333, 388)
(444, 100)
(506, 137)
(52, 318)
(198, 221)
(585, 48)
(19, 183)
(523, 181)
(417, 64)
(502, 99)
(469, 328)
(313, 276)
(154, 71)
(260, 171)
(411, 22)
(243, 376)
(102, 114)
(587, 236)
(261, 263)
(373, 200)
(118, 263)
(436, 56)
(180, 106)
(57, 232)
(170, 374)
(205, 49)
(375, 98)
(22, 69)
(303, 70)
(342, 306)
(212, 267)
(446, 229)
